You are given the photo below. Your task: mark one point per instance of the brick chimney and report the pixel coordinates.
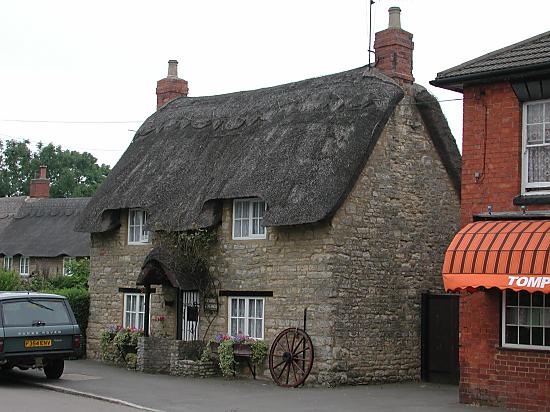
(172, 86)
(40, 186)
(394, 49)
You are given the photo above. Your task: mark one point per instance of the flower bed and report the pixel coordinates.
(118, 345)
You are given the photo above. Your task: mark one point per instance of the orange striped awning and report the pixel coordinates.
(507, 254)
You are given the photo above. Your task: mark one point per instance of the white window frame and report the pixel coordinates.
(144, 235)
(8, 263)
(246, 317)
(24, 265)
(504, 324)
(250, 219)
(137, 312)
(535, 188)
(67, 259)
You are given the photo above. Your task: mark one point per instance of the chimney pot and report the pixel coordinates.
(395, 18)
(40, 186)
(42, 174)
(171, 87)
(172, 69)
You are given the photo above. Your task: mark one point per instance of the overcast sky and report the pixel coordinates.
(98, 61)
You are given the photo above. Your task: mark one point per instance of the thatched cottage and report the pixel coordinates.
(338, 193)
(37, 235)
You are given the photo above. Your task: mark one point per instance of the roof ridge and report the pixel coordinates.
(533, 39)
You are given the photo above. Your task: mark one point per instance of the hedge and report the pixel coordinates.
(80, 302)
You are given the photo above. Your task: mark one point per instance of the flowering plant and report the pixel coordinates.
(258, 349)
(117, 343)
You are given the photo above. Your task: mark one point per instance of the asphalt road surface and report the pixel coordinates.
(20, 397)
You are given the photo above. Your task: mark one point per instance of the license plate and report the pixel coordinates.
(35, 343)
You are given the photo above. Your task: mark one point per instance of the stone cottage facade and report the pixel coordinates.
(502, 251)
(336, 194)
(37, 235)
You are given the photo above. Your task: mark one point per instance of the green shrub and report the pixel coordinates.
(9, 281)
(119, 345)
(79, 300)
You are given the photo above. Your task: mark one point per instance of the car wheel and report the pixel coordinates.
(54, 368)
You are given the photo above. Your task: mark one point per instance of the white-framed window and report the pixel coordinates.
(8, 263)
(134, 310)
(246, 317)
(66, 265)
(24, 264)
(526, 320)
(248, 219)
(137, 219)
(536, 147)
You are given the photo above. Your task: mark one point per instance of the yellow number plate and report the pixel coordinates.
(33, 343)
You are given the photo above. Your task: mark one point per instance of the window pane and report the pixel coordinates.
(259, 328)
(546, 336)
(141, 303)
(251, 328)
(234, 303)
(237, 228)
(537, 336)
(538, 169)
(547, 300)
(240, 326)
(511, 316)
(238, 210)
(547, 132)
(245, 228)
(127, 319)
(511, 298)
(524, 335)
(251, 307)
(524, 298)
(246, 209)
(534, 113)
(546, 317)
(133, 303)
(259, 308)
(241, 312)
(140, 321)
(511, 334)
(524, 316)
(233, 330)
(536, 317)
(534, 134)
(538, 299)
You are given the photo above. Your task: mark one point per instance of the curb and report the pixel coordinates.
(91, 396)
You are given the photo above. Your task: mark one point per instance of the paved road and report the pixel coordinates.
(175, 394)
(20, 397)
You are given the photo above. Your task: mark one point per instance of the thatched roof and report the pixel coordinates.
(42, 227)
(298, 146)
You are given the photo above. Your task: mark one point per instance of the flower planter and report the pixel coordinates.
(239, 349)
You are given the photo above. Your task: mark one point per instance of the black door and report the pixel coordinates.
(440, 338)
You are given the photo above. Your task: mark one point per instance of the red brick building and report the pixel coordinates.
(500, 260)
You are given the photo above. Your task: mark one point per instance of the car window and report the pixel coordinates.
(35, 312)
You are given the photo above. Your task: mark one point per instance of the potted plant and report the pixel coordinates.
(240, 346)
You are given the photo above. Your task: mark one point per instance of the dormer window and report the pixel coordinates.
(137, 219)
(536, 147)
(248, 219)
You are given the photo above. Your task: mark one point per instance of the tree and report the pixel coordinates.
(71, 173)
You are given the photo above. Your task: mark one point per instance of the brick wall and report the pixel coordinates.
(491, 146)
(493, 376)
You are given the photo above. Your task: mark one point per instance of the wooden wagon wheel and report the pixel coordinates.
(291, 357)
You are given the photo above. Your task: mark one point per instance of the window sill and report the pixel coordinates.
(512, 349)
(525, 200)
(138, 243)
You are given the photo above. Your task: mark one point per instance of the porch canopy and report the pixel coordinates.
(160, 267)
(506, 254)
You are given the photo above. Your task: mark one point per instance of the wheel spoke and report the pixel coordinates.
(282, 371)
(301, 370)
(279, 364)
(298, 345)
(294, 371)
(287, 374)
(302, 351)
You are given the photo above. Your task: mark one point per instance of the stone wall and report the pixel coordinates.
(114, 264)
(154, 354)
(43, 266)
(391, 236)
